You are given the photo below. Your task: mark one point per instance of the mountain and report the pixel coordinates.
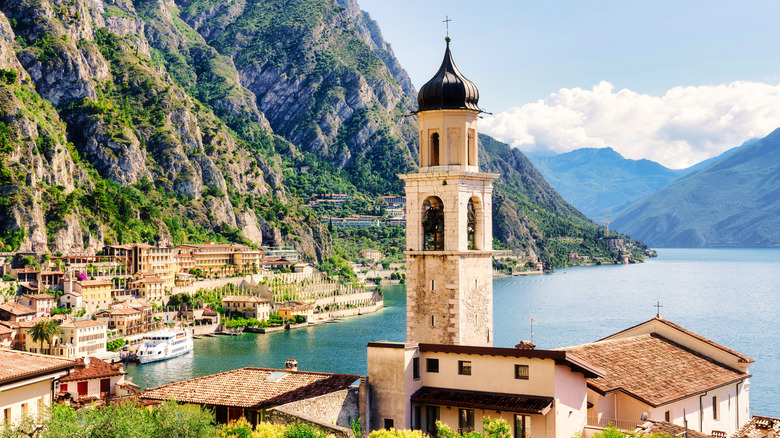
(170, 121)
(731, 203)
(599, 181)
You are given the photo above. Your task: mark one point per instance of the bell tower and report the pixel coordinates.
(449, 230)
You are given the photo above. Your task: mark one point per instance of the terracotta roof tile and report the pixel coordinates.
(20, 364)
(249, 388)
(758, 427)
(245, 299)
(528, 404)
(653, 368)
(96, 369)
(670, 430)
(40, 296)
(16, 309)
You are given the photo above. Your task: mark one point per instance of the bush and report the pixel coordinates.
(302, 430)
(7, 277)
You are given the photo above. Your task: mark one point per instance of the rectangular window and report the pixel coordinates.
(521, 372)
(464, 367)
(668, 416)
(431, 417)
(433, 321)
(522, 426)
(715, 407)
(416, 368)
(7, 415)
(24, 409)
(432, 365)
(465, 420)
(389, 423)
(417, 420)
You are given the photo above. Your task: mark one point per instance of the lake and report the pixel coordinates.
(727, 295)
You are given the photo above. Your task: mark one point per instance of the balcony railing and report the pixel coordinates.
(620, 424)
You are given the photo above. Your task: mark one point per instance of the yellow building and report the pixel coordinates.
(296, 308)
(95, 294)
(125, 320)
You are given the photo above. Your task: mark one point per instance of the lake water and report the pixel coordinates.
(731, 296)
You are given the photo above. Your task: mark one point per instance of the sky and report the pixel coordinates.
(675, 82)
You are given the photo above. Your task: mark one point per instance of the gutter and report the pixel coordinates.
(701, 411)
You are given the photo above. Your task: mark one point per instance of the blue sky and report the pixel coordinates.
(540, 64)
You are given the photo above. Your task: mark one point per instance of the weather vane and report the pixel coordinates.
(658, 309)
(446, 22)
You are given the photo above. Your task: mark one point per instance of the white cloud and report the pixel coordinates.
(684, 126)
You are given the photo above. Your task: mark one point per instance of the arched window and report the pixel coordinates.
(435, 149)
(433, 224)
(471, 225)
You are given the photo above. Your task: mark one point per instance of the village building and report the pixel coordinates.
(219, 259)
(148, 286)
(41, 303)
(289, 254)
(71, 300)
(304, 268)
(297, 308)
(275, 264)
(249, 306)
(95, 294)
(370, 254)
(661, 371)
(250, 393)
(7, 335)
(759, 427)
(15, 312)
(77, 339)
(125, 320)
(27, 383)
(91, 379)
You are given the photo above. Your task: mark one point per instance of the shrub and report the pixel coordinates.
(302, 430)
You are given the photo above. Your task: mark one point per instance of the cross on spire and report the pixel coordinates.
(658, 309)
(446, 21)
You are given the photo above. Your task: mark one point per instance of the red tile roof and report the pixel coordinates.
(18, 365)
(758, 427)
(251, 388)
(244, 299)
(653, 368)
(96, 369)
(16, 309)
(670, 430)
(40, 296)
(525, 404)
(742, 357)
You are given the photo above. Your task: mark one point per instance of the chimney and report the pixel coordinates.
(525, 345)
(291, 365)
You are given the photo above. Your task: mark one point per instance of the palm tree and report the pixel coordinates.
(45, 330)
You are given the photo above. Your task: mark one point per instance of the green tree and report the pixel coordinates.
(45, 331)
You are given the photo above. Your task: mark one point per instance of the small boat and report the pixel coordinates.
(165, 344)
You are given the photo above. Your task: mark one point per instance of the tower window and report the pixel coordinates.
(435, 149)
(471, 225)
(433, 224)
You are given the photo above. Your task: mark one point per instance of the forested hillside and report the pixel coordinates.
(189, 120)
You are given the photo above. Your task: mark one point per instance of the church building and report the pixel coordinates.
(449, 371)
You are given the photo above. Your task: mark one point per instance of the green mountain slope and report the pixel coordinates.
(189, 120)
(732, 202)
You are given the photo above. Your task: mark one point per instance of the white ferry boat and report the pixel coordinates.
(165, 344)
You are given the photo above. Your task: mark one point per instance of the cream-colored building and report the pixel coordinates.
(248, 305)
(149, 287)
(26, 382)
(540, 393)
(92, 379)
(41, 303)
(664, 372)
(77, 339)
(15, 312)
(220, 259)
(370, 254)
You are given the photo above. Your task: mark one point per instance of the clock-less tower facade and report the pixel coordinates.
(449, 223)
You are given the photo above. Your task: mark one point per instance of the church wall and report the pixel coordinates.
(727, 411)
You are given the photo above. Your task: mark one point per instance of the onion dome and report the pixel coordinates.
(448, 89)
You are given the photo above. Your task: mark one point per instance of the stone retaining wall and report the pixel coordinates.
(332, 413)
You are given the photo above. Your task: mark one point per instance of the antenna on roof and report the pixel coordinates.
(657, 306)
(533, 320)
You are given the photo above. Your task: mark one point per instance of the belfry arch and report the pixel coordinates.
(433, 224)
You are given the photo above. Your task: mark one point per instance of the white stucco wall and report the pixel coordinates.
(13, 396)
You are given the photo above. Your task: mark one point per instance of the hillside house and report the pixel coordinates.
(248, 305)
(91, 379)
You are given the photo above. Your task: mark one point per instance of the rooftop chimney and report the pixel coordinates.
(291, 365)
(525, 345)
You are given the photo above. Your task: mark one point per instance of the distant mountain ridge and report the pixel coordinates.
(599, 181)
(734, 202)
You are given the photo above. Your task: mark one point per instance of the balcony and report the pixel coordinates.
(620, 424)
